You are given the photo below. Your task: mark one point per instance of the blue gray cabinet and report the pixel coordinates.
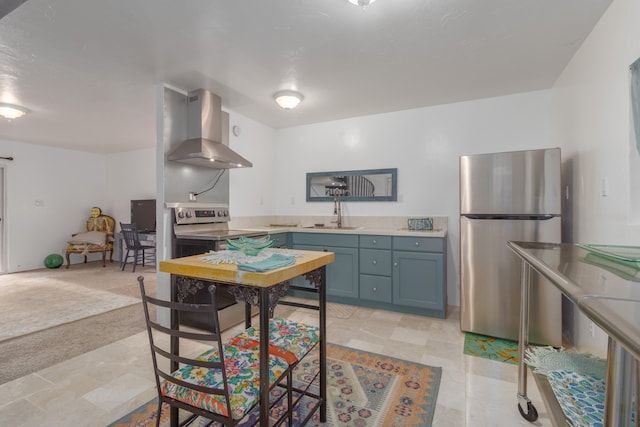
(280, 240)
(419, 274)
(375, 269)
(342, 274)
(399, 273)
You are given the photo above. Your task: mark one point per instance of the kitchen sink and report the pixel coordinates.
(332, 227)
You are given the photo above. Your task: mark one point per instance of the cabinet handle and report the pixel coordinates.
(325, 250)
(374, 262)
(375, 242)
(395, 264)
(375, 289)
(417, 244)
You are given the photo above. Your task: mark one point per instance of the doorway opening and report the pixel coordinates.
(3, 240)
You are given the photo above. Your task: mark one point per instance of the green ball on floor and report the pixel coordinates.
(53, 261)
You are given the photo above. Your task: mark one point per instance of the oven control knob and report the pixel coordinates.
(189, 215)
(180, 214)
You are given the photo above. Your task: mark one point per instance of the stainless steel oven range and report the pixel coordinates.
(197, 229)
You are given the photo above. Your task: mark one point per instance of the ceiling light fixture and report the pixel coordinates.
(10, 111)
(288, 99)
(362, 3)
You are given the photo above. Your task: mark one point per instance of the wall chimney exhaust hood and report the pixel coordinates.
(204, 146)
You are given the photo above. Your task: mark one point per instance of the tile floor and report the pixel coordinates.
(99, 387)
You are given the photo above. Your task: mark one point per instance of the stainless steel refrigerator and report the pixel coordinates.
(508, 196)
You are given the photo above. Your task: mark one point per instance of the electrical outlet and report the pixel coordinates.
(604, 187)
(592, 328)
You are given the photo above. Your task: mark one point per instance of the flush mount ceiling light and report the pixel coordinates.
(288, 99)
(362, 3)
(10, 111)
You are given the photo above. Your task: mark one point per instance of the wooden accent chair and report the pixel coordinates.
(97, 237)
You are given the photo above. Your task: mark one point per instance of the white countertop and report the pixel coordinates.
(438, 232)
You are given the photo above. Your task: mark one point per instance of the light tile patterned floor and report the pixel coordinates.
(98, 387)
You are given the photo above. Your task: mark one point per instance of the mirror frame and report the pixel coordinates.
(394, 186)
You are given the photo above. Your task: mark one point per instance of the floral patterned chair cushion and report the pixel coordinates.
(287, 339)
(243, 379)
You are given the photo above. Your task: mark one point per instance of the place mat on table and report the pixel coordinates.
(238, 257)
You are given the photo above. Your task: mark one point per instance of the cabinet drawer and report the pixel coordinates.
(325, 239)
(375, 288)
(418, 244)
(279, 240)
(375, 242)
(374, 261)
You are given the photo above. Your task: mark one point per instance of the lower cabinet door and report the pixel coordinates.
(418, 279)
(342, 273)
(375, 288)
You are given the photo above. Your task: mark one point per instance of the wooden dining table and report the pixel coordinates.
(260, 289)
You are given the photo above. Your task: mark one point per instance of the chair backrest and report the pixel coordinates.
(102, 223)
(130, 235)
(165, 362)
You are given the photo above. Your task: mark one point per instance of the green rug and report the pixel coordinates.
(363, 389)
(491, 348)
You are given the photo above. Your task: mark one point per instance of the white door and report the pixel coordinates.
(3, 263)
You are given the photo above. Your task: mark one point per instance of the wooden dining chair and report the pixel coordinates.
(221, 384)
(140, 253)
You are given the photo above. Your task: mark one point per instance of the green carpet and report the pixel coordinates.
(363, 389)
(491, 348)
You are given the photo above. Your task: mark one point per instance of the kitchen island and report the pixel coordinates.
(262, 289)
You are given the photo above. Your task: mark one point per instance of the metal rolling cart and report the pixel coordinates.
(608, 293)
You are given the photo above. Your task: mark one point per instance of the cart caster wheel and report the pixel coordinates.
(531, 415)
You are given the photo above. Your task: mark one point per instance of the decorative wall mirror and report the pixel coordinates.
(375, 185)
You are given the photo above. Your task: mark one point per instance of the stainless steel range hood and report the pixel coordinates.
(204, 146)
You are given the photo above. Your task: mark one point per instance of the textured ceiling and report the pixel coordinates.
(88, 69)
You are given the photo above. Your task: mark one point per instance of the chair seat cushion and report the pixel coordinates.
(243, 379)
(88, 247)
(91, 237)
(287, 339)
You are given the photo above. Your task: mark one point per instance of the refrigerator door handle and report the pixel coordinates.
(511, 217)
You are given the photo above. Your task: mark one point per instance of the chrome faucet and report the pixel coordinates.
(337, 209)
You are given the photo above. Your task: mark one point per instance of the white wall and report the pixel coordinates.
(590, 114)
(424, 144)
(65, 184)
(132, 176)
(49, 194)
(253, 191)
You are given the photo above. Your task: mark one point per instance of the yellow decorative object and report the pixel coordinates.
(97, 226)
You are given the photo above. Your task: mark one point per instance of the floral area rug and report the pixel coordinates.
(363, 389)
(491, 348)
